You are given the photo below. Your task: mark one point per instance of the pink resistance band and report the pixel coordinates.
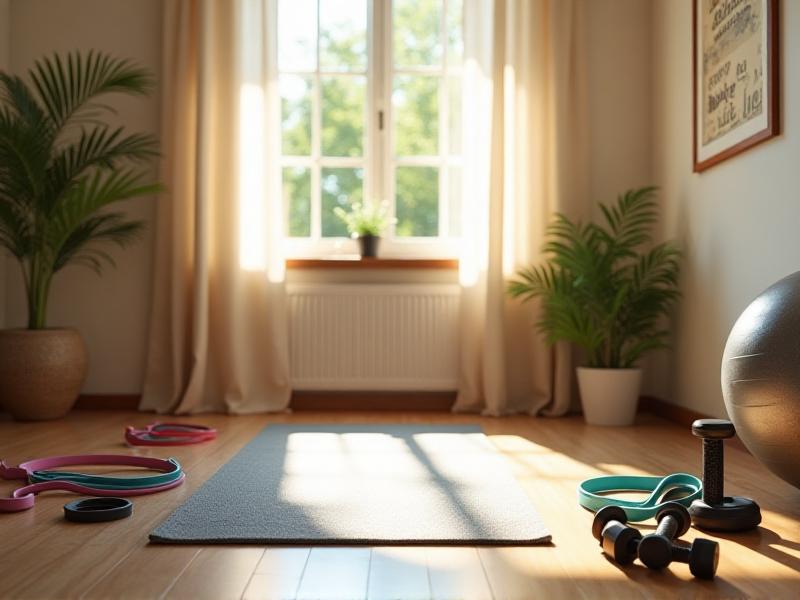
(169, 434)
(23, 498)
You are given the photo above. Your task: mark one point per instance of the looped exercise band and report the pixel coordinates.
(41, 479)
(592, 493)
(169, 434)
(98, 510)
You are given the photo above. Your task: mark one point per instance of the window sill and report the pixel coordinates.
(356, 262)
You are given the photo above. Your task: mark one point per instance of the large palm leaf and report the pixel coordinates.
(597, 286)
(62, 167)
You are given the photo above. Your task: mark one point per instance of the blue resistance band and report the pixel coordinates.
(111, 483)
(592, 493)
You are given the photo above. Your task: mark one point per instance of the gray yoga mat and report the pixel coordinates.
(360, 484)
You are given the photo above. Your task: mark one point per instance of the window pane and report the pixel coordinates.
(340, 187)
(343, 35)
(455, 32)
(415, 99)
(454, 114)
(297, 35)
(417, 201)
(296, 115)
(455, 193)
(416, 32)
(343, 115)
(297, 200)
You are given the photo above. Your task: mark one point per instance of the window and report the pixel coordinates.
(371, 112)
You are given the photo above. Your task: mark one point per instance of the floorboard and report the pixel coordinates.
(398, 572)
(336, 574)
(456, 573)
(278, 574)
(42, 556)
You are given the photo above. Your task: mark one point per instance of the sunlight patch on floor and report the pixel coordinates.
(622, 469)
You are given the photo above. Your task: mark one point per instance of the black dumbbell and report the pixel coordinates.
(618, 540)
(657, 550)
(702, 557)
(717, 512)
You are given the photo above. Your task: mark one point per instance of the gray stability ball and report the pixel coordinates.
(761, 378)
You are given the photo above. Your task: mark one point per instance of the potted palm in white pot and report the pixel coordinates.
(606, 288)
(62, 172)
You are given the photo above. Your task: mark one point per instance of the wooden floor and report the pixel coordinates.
(43, 556)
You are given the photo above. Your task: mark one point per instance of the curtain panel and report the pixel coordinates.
(525, 111)
(218, 332)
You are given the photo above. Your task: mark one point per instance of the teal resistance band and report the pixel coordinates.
(678, 487)
(110, 483)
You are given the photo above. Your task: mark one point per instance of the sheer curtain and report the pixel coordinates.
(218, 333)
(525, 124)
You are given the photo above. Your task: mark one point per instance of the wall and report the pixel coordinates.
(620, 113)
(620, 106)
(5, 48)
(111, 311)
(737, 221)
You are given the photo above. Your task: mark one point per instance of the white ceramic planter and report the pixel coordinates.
(609, 396)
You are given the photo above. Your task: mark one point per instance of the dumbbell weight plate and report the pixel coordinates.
(734, 514)
(620, 542)
(604, 516)
(655, 551)
(704, 558)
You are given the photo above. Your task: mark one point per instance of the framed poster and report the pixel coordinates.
(735, 68)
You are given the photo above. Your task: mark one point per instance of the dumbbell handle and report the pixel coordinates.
(713, 472)
(668, 527)
(681, 554)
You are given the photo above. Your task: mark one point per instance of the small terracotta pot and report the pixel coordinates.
(41, 372)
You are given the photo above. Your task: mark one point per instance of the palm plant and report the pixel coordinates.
(62, 168)
(600, 288)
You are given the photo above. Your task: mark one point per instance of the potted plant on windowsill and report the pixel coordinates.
(366, 223)
(62, 170)
(606, 288)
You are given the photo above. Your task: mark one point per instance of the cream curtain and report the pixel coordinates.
(218, 334)
(525, 76)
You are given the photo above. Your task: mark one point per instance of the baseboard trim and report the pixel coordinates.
(384, 401)
(310, 401)
(390, 402)
(667, 410)
(373, 401)
(108, 402)
(680, 415)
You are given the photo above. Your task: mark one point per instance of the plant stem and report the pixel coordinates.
(38, 288)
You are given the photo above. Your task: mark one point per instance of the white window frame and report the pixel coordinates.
(378, 157)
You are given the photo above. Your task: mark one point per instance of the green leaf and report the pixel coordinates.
(62, 167)
(604, 286)
(67, 88)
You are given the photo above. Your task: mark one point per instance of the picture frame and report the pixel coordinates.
(735, 69)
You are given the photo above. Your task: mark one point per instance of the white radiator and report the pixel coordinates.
(377, 337)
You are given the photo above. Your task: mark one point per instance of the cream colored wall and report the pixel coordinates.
(738, 221)
(5, 47)
(620, 113)
(111, 311)
(620, 107)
